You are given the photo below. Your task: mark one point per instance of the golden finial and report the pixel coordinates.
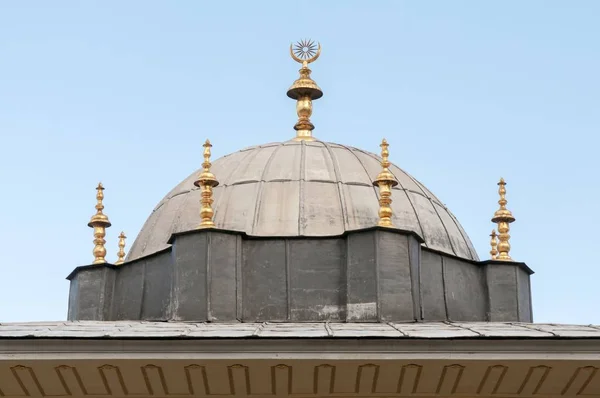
(206, 181)
(99, 222)
(121, 253)
(494, 244)
(304, 90)
(385, 181)
(503, 217)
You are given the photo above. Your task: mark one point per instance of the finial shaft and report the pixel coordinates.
(99, 222)
(385, 181)
(503, 217)
(206, 182)
(121, 253)
(494, 244)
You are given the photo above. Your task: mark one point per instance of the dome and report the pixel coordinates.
(302, 188)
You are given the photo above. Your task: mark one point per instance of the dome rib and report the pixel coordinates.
(463, 234)
(404, 190)
(412, 205)
(341, 194)
(157, 216)
(237, 166)
(436, 212)
(261, 184)
(178, 214)
(363, 166)
(228, 188)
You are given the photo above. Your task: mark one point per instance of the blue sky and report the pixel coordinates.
(464, 91)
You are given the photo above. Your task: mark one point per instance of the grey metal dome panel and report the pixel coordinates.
(298, 188)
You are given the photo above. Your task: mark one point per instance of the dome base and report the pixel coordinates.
(368, 275)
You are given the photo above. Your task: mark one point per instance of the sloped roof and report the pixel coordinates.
(180, 330)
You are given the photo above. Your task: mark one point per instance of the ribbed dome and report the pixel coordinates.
(302, 188)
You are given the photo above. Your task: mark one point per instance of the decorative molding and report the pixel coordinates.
(262, 378)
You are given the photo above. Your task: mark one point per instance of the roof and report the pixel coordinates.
(121, 359)
(300, 188)
(180, 330)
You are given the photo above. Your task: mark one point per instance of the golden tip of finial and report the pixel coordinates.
(99, 222)
(206, 181)
(121, 252)
(385, 180)
(502, 181)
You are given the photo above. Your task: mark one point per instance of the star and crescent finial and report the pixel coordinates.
(305, 89)
(305, 51)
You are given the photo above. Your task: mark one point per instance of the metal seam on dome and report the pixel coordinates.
(466, 236)
(375, 189)
(465, 239)
(167, 198)
(164, 202)
(224, 198)
(445, 228)
(259, 189)
(424, 189)
(234, 170)
(151, 230)
(182, 206)
(143, 244)
(338, 177)
(177, 217)
(135, 242)
(185, 192)
(419, 185)
(191, 176)
(354, 183)
(436, 212)
(242, 182)
(423, 235)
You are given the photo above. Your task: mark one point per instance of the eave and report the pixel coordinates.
(509, 360)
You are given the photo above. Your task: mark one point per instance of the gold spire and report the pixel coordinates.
(304, 90)
(99, 222)
(494, 244)
(206, 181)
(121, 253)
(385, 181)
(503, 217)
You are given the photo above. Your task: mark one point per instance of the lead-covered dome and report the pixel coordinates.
(303, 188)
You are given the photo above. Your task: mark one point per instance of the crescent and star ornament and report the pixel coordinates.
(305, 51)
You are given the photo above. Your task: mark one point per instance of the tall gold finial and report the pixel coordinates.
(99, 222)
(304, 90)
(385, 181)
(494, 244)
(503, 217)
(206, 181)
(121, 253)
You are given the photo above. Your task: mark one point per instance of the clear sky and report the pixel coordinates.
(465, 92)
